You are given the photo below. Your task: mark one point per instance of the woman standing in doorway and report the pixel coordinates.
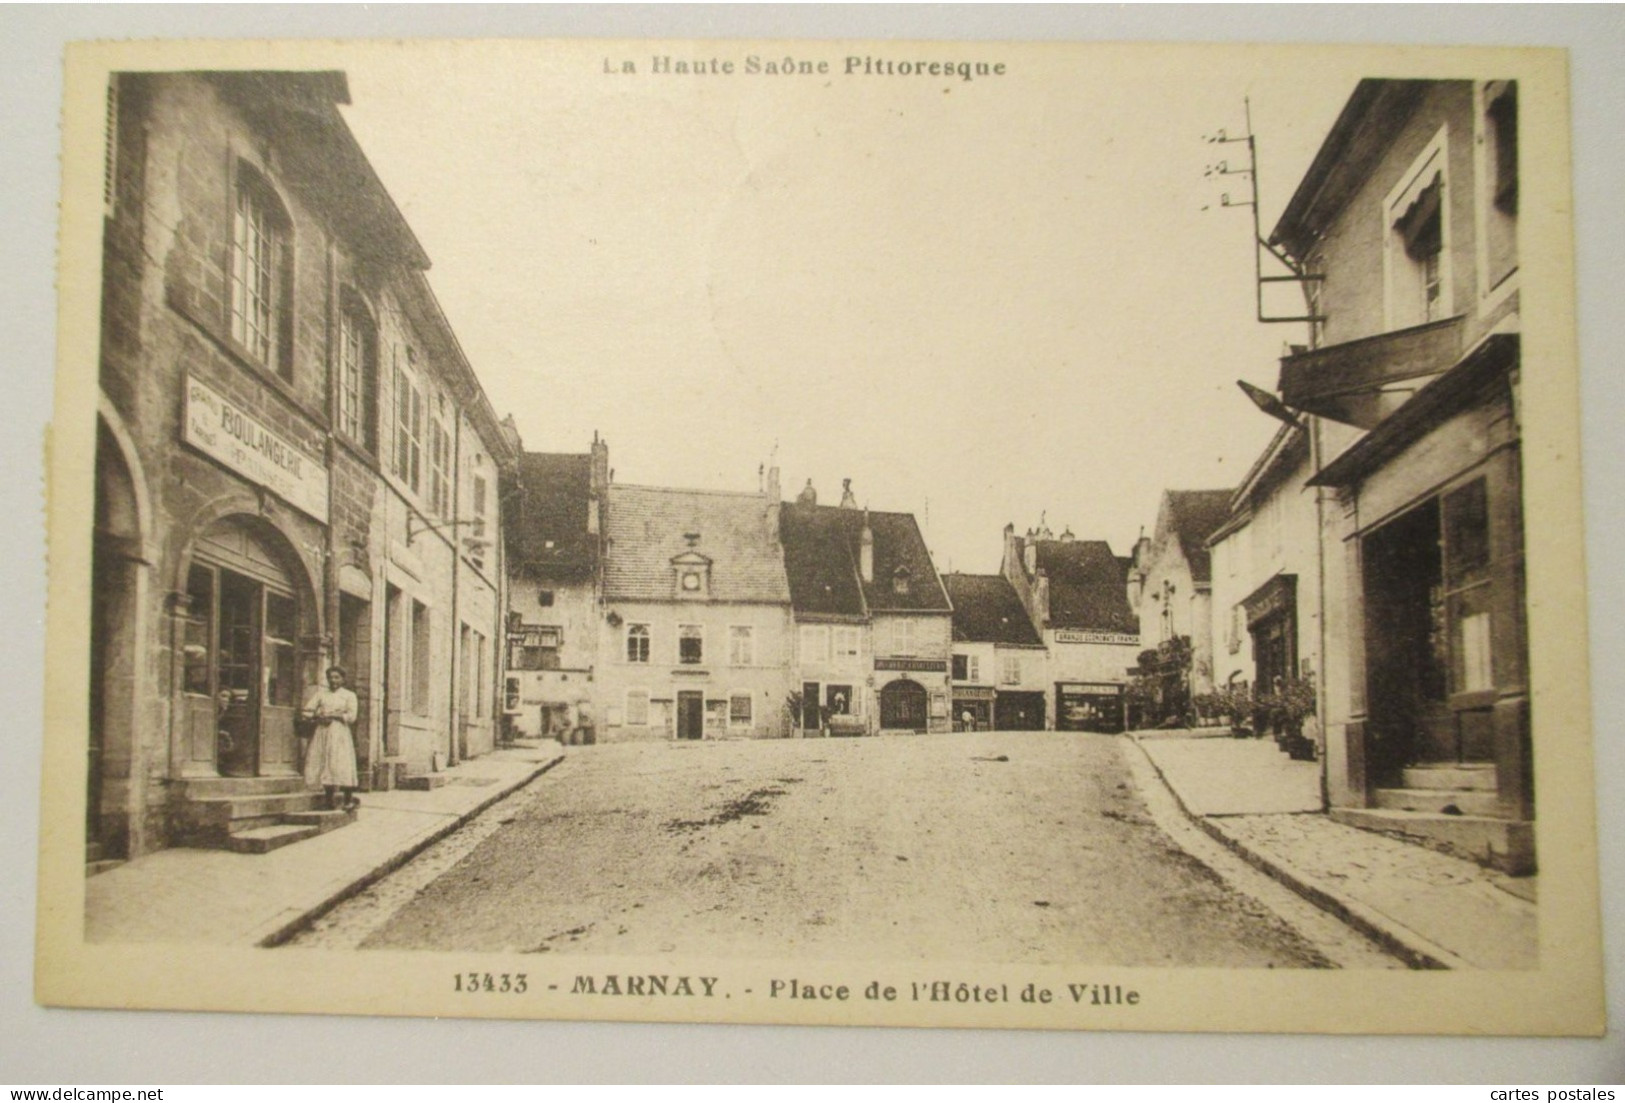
(330, 760)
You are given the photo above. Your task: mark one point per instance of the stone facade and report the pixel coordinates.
(695, 638)
(1410, 384)
(246, 528)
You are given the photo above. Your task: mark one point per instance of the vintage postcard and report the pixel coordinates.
(876, 533)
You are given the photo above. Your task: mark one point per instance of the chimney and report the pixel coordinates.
(808, 495)
(773, 483)
(1067, 537)
(1041, 600)
(848, 499)
(1008, 563)
(866, 550)
(1030, 557)
(597, 484)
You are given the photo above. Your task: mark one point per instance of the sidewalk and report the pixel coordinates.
(214, 896)
(1432, 910)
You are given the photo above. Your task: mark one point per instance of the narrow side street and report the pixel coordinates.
(1015, 846)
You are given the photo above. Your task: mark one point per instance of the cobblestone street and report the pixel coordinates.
(1021, 847)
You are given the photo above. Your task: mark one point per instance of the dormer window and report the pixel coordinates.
(691, 575)
(900, 580)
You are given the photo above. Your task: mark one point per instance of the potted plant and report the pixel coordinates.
(1295, 703)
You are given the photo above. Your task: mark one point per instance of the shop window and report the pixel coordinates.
(637, 708)
(465, 679)
(1467, 587)
(739, 710)
(261, 275)
(690, 644)
(716, 715)
(281, 629)
(637, 643)
(358, 374)
(420, 658)
(838, 700)
(198, 632)
(478, 685)
(741, 646)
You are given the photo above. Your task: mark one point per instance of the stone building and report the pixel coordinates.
(873, 623)
(555, 569)
(695, 637)
(295, 466)
(1000, 670)
(1076, 596)
(1266, 572)
(1171, 584)
(1405, 229)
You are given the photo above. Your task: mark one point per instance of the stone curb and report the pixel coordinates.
(1415, 950)
(282, 930)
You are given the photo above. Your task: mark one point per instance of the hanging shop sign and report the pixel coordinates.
(1121, 639)
(224, 431)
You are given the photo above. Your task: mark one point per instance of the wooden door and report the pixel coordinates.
(690, 715)
(903, 705)
(280, 688)
(237, 676)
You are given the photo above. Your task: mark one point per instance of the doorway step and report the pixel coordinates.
(1448, 790)
(253, 815)
(1450, 808)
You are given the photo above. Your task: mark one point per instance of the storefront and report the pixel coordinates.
(243, 659)
(973, 708)
(1019, 711)
(905, 701)
(1089, 707)
(1272, 622)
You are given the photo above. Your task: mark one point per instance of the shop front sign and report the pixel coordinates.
(1119, 639)
(918, 666)
(222, 430)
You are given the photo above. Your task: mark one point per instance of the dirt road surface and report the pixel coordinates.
(1015, 847)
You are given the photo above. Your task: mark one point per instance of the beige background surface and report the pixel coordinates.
(234, 1047)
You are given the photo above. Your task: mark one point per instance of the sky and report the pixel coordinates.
(985, 301)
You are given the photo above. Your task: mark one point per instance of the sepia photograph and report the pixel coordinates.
(896, 533)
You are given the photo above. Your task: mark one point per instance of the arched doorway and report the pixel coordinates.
(240, 674)
(115, 650)
(903, 705)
